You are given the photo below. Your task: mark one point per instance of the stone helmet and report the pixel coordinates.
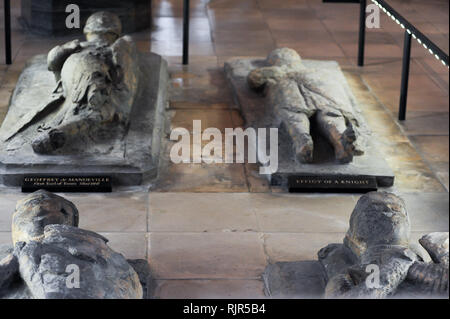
(379, 218)
(284, 56)
(103, 22)
(38, 210)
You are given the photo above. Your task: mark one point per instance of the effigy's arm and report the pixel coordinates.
(377, 276)
(125, 57)
(258, 78)
(127, 72)
(58, 56)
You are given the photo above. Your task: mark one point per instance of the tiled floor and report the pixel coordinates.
(210, 230)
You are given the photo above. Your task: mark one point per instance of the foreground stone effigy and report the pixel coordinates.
(94, 107)
(321, 128)
(379, 235)
(49, 247)
(377, 259)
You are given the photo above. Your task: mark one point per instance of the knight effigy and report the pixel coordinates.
(300, 96)
(94, 107)
(96, 84)
(378, 259)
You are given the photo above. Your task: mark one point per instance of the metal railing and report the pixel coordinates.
(186, 20)
(410, 32)
(7, 15)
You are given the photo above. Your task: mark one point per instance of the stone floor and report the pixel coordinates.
(209, 231)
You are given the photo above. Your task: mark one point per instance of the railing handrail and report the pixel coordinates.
(411, 29)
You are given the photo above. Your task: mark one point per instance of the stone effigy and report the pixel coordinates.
(321, 129)
(300, 95)
(377, 259)
(47, 247)
(96, 104)
(379, 235)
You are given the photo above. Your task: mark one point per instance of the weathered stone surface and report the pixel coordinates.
(100, 113)
(9, 267)
(303, 279)
(96, 84)
(294, 145)
(142, 268)
(437, 246)
(5, 250)
(379, 218)
(379, 236)
(301, 97)
(335, 259)
(428, 279)
(54, 259)
(103, 272)
(11, 285)
(38, 210)
(421, 252)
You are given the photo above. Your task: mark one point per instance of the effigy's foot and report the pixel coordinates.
(346, 149)
(48, 142)
(305, 149)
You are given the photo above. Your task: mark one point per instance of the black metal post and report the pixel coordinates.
(186, 9)
(362, 32)
(405, 76)
(7, 11)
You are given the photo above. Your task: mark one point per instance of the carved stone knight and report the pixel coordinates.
(301, 96)
(97, 83)
(378, 258)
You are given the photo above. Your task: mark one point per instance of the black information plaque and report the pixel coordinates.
(332, 183)
(67, 184)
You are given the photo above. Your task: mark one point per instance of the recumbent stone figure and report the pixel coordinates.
(48, 249)
(302, 97)
(97, 83)
(379, 235)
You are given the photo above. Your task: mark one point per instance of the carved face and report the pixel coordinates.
(108, 37)
(38, 210)
(103, 26)
(378, 219)
(284, 57)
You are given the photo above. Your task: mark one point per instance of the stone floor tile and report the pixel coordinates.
(434, 149)
(444, 179)
(164, 8)
(207, 178)
(131, 245)
(428, 212)
(303, 213)
(116, 212)
(195, 178)
(426, 123)
(220, 119)
(8, 201)
(287, 247)
(165, 28)
(207, 255)
(201, 212)
(211, 94)
(210, 289)
(5, 238)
